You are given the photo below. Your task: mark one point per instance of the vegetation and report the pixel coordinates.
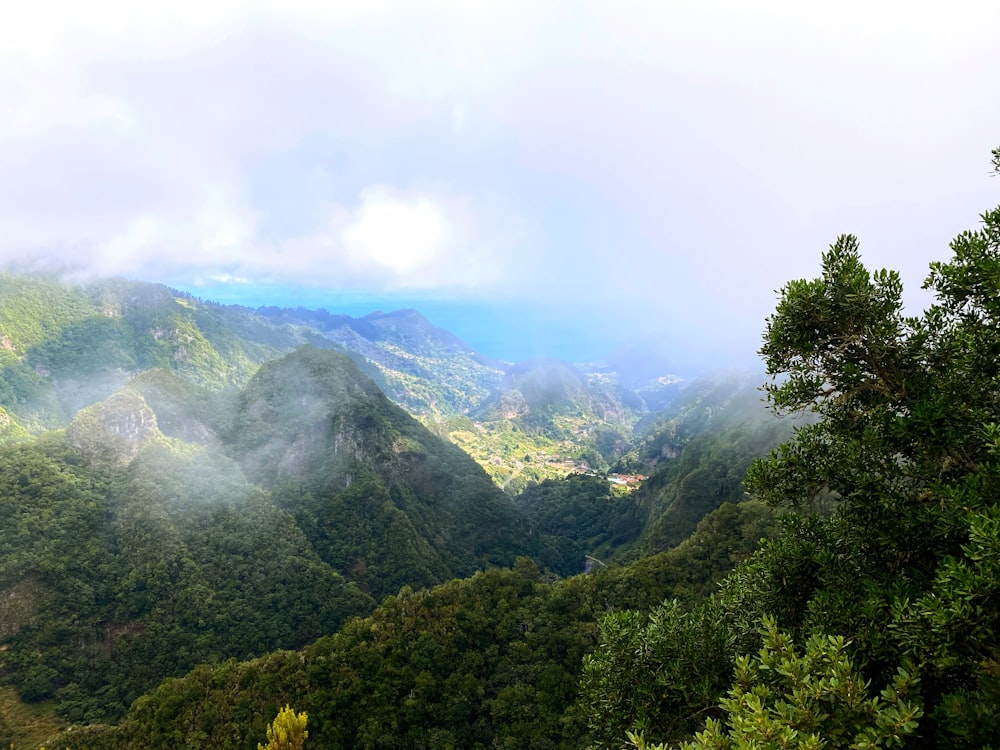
(287, 732)
(579, 518)
(781, 699)
(492, 660)
(885, 577)
(63, 348)
(379, 497)
(146, 571)
(225, 565)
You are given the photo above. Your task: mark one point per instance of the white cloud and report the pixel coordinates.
(397, 234)
(223, 224)
(450, 145)
(125, 252)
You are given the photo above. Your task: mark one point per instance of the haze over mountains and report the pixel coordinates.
(447, 469)
(206, 515)
(66, 347)
(157, 443)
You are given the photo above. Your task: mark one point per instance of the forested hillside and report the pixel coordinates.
(492, 660)
(172, 524)
(379, 497)
(151, 554)
(697, 452)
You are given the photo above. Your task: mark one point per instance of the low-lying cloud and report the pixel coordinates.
(667, 162)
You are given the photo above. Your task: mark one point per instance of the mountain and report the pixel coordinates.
(118, 573)
(696, 453)
(381, 498)
(183, 482)
(66, 346)
(425, 369)
(547, 418)
(253, 520)
(493, 660)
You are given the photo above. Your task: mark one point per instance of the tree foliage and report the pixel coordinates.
(782, 698)
(886, 579)
(287, 731)
(906, 448)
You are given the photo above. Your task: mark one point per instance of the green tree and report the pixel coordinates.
(905, 448)
(785, 699)
(891, 554)
(287, 731)
(655, 672)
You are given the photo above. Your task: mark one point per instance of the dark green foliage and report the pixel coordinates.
(905, 443)
(655, 671)
(579, 516)
(486, 662)
(148, 571)
(87, 346)
(167, 556)
(888, 573)
(783, 699)
(52, 509)
(379, 497)
(490, 661)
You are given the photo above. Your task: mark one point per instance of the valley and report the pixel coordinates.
(208, 514)
(157, 447)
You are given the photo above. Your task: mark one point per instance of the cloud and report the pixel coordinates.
(667, 161)
(398, 235)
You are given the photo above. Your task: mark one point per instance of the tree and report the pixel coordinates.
(287, 731)
(905, 445)
(890, 558)
(655, 672)
(784, 699)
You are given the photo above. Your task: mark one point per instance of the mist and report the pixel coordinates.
(543, 179)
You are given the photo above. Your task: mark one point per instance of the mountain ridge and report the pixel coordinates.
(64, 347)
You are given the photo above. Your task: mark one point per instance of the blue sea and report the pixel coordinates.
(510, 331)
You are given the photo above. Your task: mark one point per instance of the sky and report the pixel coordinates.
(543, 177)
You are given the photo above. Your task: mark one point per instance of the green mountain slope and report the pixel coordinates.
(381, 498)
(488, 661)
(152, 551)
(423, 368)
(64, 347)
(211, 494)
(123, 574)
(696, 454)
(546, 419)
